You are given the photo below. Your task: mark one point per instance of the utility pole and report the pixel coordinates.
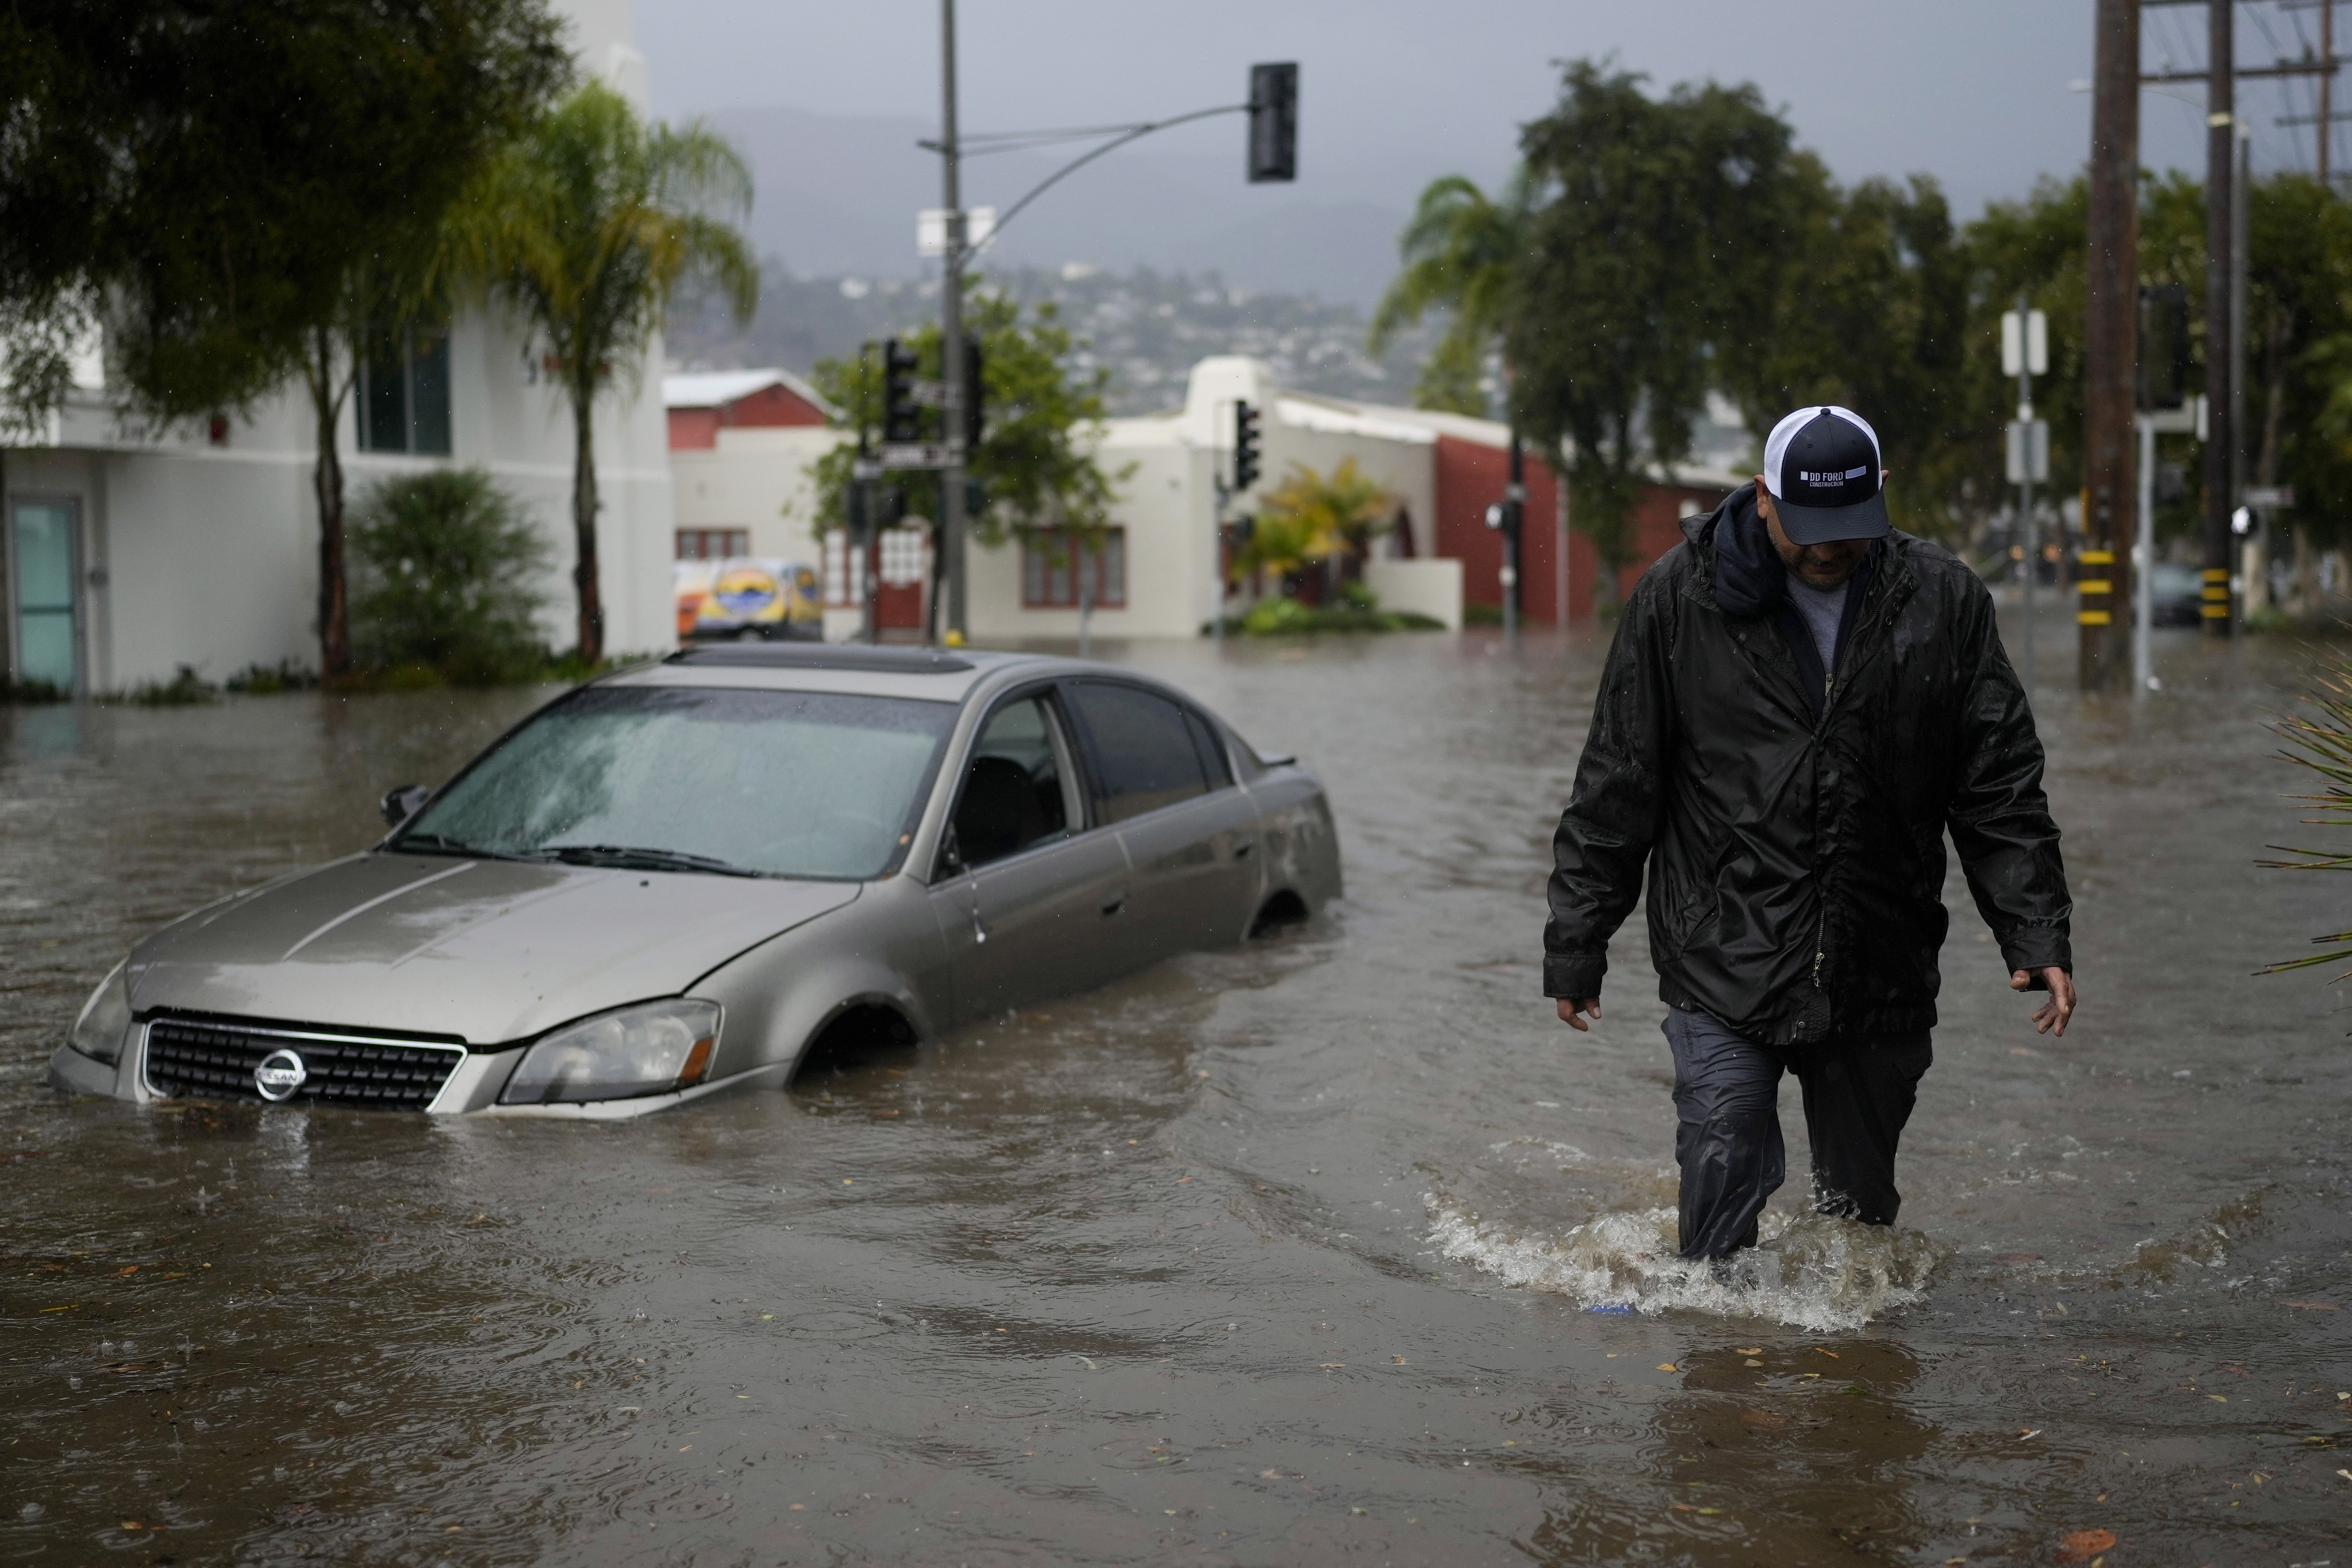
(2109, 339)
(951, 518)
(2220, 352)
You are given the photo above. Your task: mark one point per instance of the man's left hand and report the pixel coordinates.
(2052, 1015)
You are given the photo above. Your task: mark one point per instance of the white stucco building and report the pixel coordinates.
(125, 554)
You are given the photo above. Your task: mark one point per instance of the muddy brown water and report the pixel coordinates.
(1284, 1254)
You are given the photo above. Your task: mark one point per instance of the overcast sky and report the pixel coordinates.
(1395, 91)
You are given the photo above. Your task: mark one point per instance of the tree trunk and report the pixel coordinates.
(327, 485)
(583, 522)
(7, 671)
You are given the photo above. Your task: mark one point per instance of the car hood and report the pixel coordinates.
(487, 950)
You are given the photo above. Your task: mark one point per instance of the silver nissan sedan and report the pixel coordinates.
(689, 876)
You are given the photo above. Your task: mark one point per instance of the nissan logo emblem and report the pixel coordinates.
(280, 1074)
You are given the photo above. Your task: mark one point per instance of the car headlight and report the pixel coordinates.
(651, 1049)
(105, 1019)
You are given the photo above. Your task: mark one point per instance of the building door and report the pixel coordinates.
(45, 565)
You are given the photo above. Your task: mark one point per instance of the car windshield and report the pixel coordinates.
(785, 784)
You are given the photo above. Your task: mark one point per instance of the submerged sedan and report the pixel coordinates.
(689, 876)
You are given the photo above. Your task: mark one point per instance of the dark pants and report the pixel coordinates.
(1858, 1095)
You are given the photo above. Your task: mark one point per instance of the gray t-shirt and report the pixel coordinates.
(1822, 609)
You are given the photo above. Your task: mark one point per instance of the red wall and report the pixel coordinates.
(1470, 478)
(692, 429)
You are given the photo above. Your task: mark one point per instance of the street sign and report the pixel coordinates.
(2270, 498)
(2029, 450)
(865, 470)
(2025, 344)
(931, 229)
(915, 454)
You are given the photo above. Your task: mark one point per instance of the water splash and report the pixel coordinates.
(1810, 1270)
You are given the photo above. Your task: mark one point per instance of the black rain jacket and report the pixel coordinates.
(1793, 819)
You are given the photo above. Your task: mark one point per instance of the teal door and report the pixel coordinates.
(49, 648)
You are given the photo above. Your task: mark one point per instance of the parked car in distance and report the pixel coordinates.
(745, 600)
(682, 878)
(2176, 595)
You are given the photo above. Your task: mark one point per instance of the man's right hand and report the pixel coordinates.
(1569, 1006)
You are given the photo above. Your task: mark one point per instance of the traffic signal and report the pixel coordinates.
(1273, 122)
(901, 420)
(975, 416)
(1245, 450)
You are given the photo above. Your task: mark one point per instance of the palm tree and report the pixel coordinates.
(1316, 518)
(1458, 251)
(585, 227)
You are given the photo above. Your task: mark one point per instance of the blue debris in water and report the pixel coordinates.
(1613, 1311)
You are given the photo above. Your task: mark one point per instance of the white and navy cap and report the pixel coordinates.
(1822, 465)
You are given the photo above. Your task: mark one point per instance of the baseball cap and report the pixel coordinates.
(1822, 465)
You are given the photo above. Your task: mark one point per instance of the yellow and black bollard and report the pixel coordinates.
(2215, 606)
(2096, 588)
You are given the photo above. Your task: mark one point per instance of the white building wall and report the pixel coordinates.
(757, 478)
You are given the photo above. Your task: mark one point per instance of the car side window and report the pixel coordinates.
(1211, 749)
(1140, 747)
(1012, 795)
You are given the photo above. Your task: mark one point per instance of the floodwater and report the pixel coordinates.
(1286, 1254)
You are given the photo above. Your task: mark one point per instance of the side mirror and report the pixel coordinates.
(401, 802)
(950, 852)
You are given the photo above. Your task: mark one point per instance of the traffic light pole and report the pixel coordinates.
(952, 518)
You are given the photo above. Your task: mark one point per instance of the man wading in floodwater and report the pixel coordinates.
(1798, 703)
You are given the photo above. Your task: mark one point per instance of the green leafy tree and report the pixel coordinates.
(214, 173)
(1460, 252)
(586, 226)
(1035, 465)
(447, 566)
(1874, 319)
(1654, 250)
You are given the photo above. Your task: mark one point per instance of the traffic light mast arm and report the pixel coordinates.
(1122, 134)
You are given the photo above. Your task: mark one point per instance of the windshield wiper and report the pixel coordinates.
(629, 857)
(442, 844)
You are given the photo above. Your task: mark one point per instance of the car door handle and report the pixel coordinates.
(1115, 903)
(1243, 845)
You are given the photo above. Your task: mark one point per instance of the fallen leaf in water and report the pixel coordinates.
(122, 1273)
(2313, 1306)
(1751, 1361)
(132, 1524)
(1668, 1366)
(1330, 1365)
(1831, 1354)
(1755, 1350)
(2075, 1545)
(2029, 1432)
(68, 1307)
(2219, 1398)
(1764, 1419)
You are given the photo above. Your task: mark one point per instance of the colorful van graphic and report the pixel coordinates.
(745, 598)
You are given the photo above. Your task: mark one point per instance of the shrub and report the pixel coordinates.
(186, 689)
(444, 576)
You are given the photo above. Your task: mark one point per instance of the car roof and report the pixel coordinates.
(936, 675)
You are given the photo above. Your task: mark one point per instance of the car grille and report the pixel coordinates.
(216, 1061)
